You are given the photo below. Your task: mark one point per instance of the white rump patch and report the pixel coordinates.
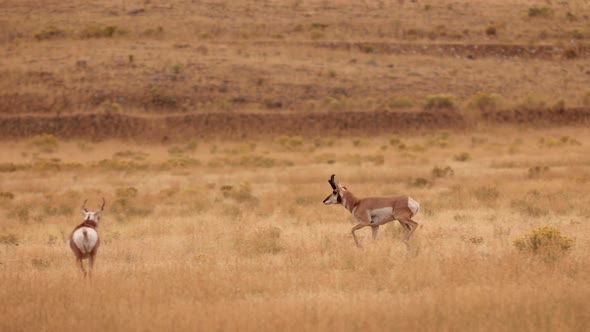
(414, 206)
(85, 244)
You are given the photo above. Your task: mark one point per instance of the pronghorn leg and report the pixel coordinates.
(82, 267)
(375, 230)
(91, 266)
(358, 226)
(411, 224)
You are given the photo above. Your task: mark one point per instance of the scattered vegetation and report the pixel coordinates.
(486, 194)
(241, 194)
(442, 172)
(484, 102)
(536, 172)
(50, 32)
(45, 143)
(265, 240)
(101, 31)
(440, 102)
(540, 11)
(463, 156)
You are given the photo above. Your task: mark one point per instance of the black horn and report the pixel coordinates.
(331, 181)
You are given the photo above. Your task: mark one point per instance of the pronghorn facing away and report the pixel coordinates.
(84, 239)
(375, 211)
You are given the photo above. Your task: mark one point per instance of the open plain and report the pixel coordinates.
(212, 127)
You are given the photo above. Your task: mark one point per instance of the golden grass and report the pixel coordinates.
(183, 251)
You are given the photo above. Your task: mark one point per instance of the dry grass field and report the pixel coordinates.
(183, 251)
(207, 232)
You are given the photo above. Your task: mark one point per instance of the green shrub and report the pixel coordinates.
(50, 32)
(395, 102)
(537, 171)
(439, 172)
(100, 31)
(484, 102)
(546, 241)
(45, 143)
(463, 156)
(540, 11)
(439, 102)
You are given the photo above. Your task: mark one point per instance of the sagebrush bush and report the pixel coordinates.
(440, 102)
(484, 102)
(463, 156)
(540, 11)
(50, 32)
(45, 143)
(442, 172)
(545, 240)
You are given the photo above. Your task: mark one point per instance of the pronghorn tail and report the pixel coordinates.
(85, 232)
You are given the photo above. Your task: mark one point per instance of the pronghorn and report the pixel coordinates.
(84, 239)
(375, 211)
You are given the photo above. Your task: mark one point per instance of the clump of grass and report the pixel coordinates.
(545, 241)
(290, 143)
(491, 31)
(120, 165)
(131, 155)
(11, 167)
(486, 194)
(9, 239)
(180, 161)
(321, 142)
(58, 210)
(552, 142)
(440, 102)
(101, 31)
(442, 172)
(40, 263)
(536, 172)
(484, 102)
(45, 143)
(397, 102)
(6, 195)
(189, 147)
(570, 53)
(526, 208)
(51, 164)
(241, 193)
(463, 156)
(50, 32)
(544, 11)
(20, 213)
(126, 192)
(250, 161)
(419, 182)
(532, 102)
(440, 139)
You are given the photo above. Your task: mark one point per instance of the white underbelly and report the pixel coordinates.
(381, 215)
(85, 243)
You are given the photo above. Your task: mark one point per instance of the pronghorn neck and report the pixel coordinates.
(89, 223)
(349, 201)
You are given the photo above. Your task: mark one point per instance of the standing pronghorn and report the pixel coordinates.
(375, 211)
(84, 239)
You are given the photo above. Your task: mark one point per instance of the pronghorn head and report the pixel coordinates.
(92, 216)
(337, 191)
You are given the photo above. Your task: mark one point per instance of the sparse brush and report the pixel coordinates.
(6, 195)
(45, 143)
(486, 194)
(484, 102)
(442, 172)
(545, 241)
(536, 172)
(552, 142)
(540, 11)
(50, 32)
(463, 156)
(101, 31)
(9, 239)
(132, 155)
(439, 102)
(241, 193)
(290, 143)
(527, 208)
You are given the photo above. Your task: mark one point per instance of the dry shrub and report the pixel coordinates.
(440, 102)
(486, 194)
(546, 241)
(45, 143)
(241, 194)
(463, 156)
(442, 172)
(484, 102)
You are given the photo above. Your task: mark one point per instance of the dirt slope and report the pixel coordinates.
(260, 125)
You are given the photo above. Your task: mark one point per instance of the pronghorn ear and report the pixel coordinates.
(83, 212)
